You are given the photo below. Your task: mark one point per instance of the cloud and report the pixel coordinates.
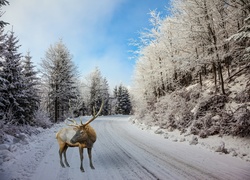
(40, 23)
(82, 24)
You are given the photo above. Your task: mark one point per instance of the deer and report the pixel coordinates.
(77, 135)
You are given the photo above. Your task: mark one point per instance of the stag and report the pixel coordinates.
(77, 135)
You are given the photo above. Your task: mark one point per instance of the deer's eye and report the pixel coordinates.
(81, 131)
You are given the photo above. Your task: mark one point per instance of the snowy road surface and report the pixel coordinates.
(122, 151)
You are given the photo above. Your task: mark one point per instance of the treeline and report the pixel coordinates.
(201, 40)
(55, 91)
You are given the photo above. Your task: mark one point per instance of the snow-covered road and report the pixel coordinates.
(122, 151)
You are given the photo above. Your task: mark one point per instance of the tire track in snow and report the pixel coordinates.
(155, 163)
(176, 165)
(122, 162)
(151, 157)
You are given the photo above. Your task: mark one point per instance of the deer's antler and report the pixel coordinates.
(73, 121)
(95, 115)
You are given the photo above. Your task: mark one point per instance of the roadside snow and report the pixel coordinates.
(234, 146)
(21, 156)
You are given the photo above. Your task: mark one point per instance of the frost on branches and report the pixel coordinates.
(192, 69)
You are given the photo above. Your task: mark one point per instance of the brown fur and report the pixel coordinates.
(63, 137)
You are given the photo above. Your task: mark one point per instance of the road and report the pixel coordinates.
(123, 151)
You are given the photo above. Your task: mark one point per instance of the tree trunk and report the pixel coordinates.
(200, 78)
(215, 76)
(56, 110)
(205, 70)
(221, 77)
(56, 106)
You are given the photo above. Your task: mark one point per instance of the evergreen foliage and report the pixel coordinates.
(123, 103)
(31, 88)
(13, 96)
(98, 91)
(59, 77)
(3, 3)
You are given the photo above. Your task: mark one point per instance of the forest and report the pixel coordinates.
(41, 96)
(192, 70)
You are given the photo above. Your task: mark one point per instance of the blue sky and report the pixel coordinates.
(96, 32)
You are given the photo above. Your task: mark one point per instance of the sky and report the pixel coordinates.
(96, 32)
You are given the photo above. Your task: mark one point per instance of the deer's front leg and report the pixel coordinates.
(81, 158)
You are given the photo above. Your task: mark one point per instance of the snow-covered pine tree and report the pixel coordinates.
(95, 90)
(105, 96)
(3, 3)
(3, 82)
(2, 52)
(31, 90)
(98, 91)
(115, 92)
(59, 76)
(123, 103)
(13, 95)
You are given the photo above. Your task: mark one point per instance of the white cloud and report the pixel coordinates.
(82, 24)
(40, 23)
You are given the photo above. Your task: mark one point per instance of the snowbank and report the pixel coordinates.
(238, 147)
(23, 145)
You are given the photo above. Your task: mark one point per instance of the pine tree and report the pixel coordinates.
(123, 103)
(59, 76)
(3, 3)
(3, 81)
(31, 90)
(95, 90)
(105, 96)
(3, 86)
(99, 91)
(13, 96)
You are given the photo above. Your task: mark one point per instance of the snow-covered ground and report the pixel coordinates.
(238, 147)
(122, 151)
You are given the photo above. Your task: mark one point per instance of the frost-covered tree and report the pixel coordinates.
(59, 76)
(200, 17)
(3, 3)
(241, 42)
(188, 47)
(123, 103)
(2, 52)
(98, 92)
(31, 87)
(3, 82)
(105, 96)
(13, 97)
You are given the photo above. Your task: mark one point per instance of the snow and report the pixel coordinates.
(122, 151)
(239, 147)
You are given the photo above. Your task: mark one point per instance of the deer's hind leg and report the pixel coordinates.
(64, 153)
(61, 150)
